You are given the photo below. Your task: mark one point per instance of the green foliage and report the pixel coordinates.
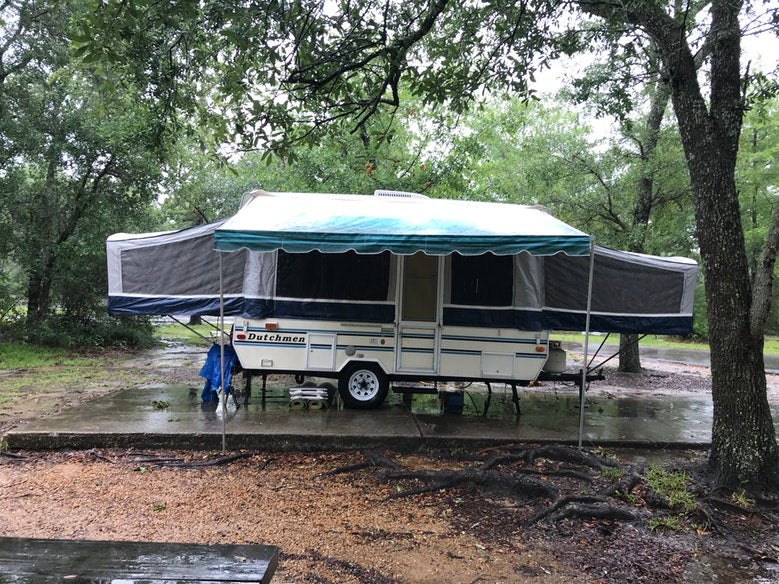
(666, 523)
(386, 154)
(757, 174)
(700, 324)
(11, 298)
(740, 498)
(104, 331)
(80, 162)
(515, 151)
(270, 79)
(673, 486)
(612, 473)
(176, 333)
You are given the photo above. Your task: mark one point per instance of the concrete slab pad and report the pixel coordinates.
(174, 417)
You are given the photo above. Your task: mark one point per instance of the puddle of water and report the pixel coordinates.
(714, 570)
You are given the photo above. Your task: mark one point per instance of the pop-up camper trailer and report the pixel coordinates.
(396, 287)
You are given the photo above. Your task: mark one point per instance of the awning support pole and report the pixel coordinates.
(597, 351)
(602, 363)
(189, 328)
(586, 341)
(222, 355)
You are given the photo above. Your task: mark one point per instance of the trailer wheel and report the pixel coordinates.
(363, 386)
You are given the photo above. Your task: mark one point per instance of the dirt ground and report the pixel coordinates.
(515, 514)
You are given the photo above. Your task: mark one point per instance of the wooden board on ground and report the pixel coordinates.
(35, 561)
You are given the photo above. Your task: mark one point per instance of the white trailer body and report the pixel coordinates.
(391, 316)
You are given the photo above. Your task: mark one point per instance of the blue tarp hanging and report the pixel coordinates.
(210, 371)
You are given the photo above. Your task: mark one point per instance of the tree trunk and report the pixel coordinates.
(743, 450)
(744, 446)
(629, 356)
(743, 438)
(38, 299)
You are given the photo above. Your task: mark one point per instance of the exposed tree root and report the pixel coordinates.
(584, 507)
(180, 463)
(602, 511)
(99, 456)
(445, 479)
(733, 507)
(562, 472)
(562, 454)
(626, 485)
(722, 529)
(373, 459)
(550, 452)
(570, 455)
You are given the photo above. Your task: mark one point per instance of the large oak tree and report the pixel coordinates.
(76, 164)
(271, 72)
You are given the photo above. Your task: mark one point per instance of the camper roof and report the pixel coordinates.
(303, 222)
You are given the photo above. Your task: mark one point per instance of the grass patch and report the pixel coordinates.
(612, 473)
(31, 369)
(16, 355)
(176, 333)
(666, 523)
(672, 486)
(771, 346)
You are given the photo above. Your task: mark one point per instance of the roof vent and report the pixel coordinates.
(249, 196)
(398, 194)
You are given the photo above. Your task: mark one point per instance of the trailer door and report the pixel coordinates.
(419, 314)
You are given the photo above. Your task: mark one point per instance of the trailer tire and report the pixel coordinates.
(363, 386)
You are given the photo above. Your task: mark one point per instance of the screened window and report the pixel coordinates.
(338, 276)
(618, 286)
(483, 280)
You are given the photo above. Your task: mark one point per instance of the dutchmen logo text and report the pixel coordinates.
(277, 338)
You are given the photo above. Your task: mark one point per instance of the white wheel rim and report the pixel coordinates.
(363, 385)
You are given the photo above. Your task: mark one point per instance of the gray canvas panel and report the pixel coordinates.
(181, 268)
(620, 286)
(528, 281)
(259, 279)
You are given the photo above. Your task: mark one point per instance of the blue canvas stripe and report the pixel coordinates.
(323, 310)
(208, 306)
(385, 314)
(657, 325)
(567, 321)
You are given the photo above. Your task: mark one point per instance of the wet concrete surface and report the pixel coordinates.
(172, 416)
